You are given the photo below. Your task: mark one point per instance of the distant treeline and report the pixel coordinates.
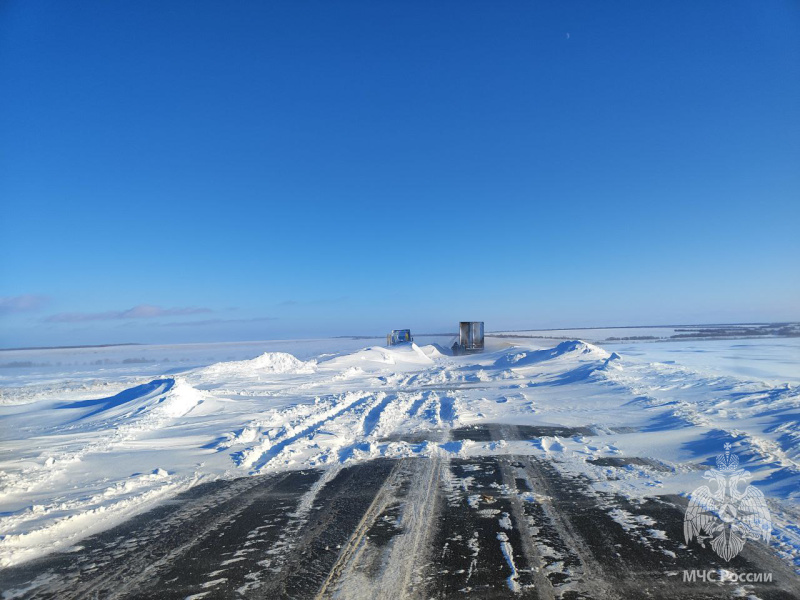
(528, 337)
(69, 347)
(772, 330)
(27, 364)
(683, 333)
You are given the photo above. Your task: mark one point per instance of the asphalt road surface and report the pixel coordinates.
(502, 526)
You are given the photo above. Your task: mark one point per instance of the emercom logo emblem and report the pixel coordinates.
(727, 516)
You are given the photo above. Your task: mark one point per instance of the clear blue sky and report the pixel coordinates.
(200, 171)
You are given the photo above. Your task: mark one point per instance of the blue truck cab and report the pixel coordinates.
(399, 336)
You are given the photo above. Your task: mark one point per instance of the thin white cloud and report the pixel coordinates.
(207, 322)
(142, 311)
(317, 302)
(23, 303)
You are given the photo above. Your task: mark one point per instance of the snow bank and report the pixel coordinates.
(523, 357)
(269, 362)
(377, 358)
(141, 406)
(433, 351)
(80, 484)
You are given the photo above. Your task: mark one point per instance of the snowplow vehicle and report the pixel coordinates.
(399, 336)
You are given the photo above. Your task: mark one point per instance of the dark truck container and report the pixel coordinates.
(470, 338)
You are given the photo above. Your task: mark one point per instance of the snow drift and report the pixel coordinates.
(523, 357)
(269, 362)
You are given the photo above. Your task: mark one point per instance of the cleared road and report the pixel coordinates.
(501, 526)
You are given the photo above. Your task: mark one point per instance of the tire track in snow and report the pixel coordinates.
(259, 456)
(373, 417)
(400, 414)
(358, 423)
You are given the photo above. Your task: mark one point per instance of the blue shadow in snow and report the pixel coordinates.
(709, 445)
(576, 375)
(446, 410)
(371, 420)
(780, 480)
(452, 447)
(522, 357)
(121, 398)
(349, 451)
(666, 421)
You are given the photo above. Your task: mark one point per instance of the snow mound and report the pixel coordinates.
(145, 406)
(579, 347)
(432, 351)
(378, 358)
(521, 357)
(179, 400)
(612, 362)
(127, 403)
(421, 357)
(269, 362)
(551, 444)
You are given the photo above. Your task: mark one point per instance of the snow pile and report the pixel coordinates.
(178, 401)
(612, 362)
(573, 349)
(551, 444)
(121, 407)
(433, 351)
(376, 358)
(140, 407)
(269, 362)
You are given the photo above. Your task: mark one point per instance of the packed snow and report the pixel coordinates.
(89, 440)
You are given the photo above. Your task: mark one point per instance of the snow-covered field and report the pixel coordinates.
(90, 437)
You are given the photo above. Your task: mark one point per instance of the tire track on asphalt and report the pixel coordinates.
(544, 587)
(407, 551)
(123, 560)
(595, 581)
(354, 545)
